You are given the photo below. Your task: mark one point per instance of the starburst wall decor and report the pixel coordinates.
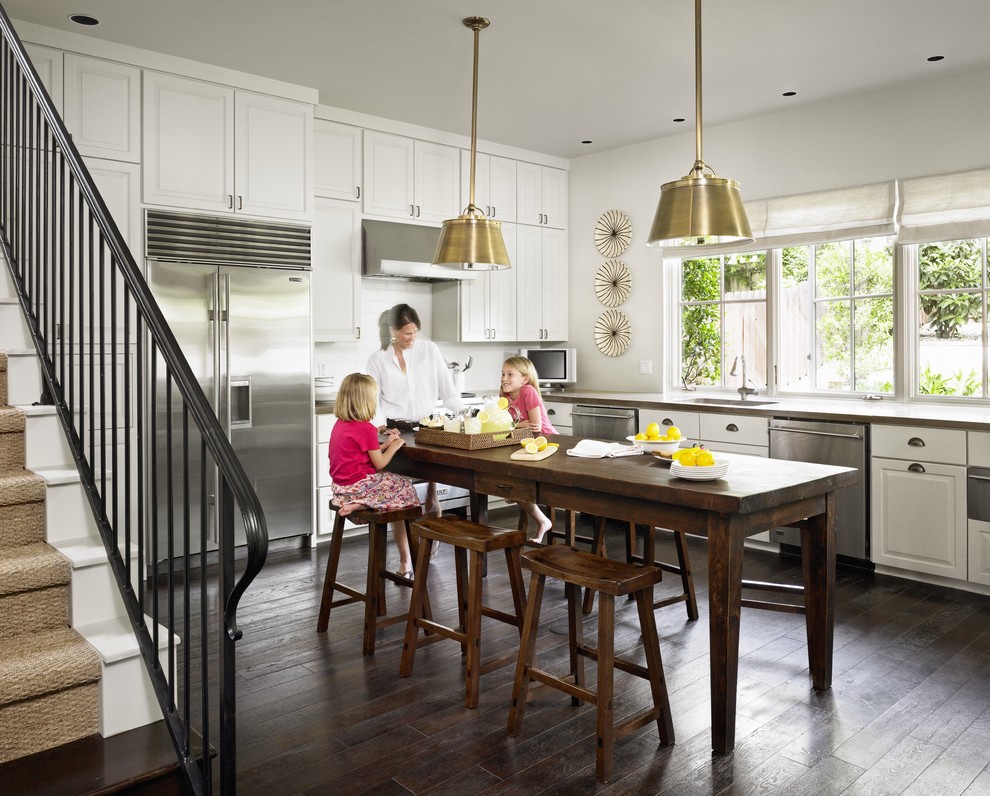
(612, 333)
(613, 233)
(613, 283)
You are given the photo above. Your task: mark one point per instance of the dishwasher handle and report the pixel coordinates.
(816, 433)
(602, 414)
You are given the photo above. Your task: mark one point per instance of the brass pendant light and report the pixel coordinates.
(472, 242)
(699, 208)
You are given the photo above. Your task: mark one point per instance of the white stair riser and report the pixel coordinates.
(45, 443)
(13, 330)
(23, 379)
(67, 514)
(6, 283)
(127, 699)
(93, 595)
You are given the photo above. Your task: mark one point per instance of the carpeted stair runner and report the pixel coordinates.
(48, 674)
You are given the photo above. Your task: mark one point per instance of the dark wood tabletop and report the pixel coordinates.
(755, 495)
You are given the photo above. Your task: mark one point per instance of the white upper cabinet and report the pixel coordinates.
(336, 282)
(337, 160)
(103, 107)
(541, 260)
(541, 195)
(494, 185)
(209, 147)
(48, 64)
(409, 179)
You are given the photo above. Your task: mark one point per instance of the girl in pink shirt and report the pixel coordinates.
(357, 458)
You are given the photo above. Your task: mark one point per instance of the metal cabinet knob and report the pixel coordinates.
(916, 442)
(732, 427)
(915, 468)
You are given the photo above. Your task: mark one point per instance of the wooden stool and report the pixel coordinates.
(373, 595)
(681, 568)
(478, 540)
(610, 579)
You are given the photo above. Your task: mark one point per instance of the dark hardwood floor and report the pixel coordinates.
(908, 713)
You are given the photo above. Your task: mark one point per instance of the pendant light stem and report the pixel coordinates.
(699, 163)
(477, 24)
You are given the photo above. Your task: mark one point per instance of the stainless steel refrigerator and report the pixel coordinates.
(237, 297)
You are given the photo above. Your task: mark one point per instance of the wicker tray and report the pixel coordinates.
(471, 442)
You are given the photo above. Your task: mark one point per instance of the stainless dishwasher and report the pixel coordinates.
(841, 444)
(604, 422)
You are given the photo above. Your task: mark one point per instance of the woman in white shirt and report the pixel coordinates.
(412, 377)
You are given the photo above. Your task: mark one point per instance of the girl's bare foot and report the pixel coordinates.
(348, 508)
(545, 526)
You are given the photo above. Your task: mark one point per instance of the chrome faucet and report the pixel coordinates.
(744, 390)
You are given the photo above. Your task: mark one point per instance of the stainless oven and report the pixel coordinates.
(604, 422)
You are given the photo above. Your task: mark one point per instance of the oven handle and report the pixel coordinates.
(589, 414)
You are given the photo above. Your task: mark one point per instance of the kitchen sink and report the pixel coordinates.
(727, 402)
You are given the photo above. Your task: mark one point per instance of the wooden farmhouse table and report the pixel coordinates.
(756, 494)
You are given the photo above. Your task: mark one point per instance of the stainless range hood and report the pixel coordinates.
(403, 251)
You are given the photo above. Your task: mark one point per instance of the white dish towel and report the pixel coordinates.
(595, 449)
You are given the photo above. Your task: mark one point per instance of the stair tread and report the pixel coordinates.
(32, 566)
(34, 664)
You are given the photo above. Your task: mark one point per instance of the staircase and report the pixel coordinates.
(70, 665)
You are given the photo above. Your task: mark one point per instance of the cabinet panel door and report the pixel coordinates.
(103, 107)
(274, 150)
(529, 282)
(529, 193)
(502, 188)
(337, 160)
(554, 284)
(919, 517)
(979, 552)
(554, 190)
(48, 64)
(473, 311)
(336, 282)
(437, 181)
(119, 185)
(188, 143)
(388, 175)
(502, 291)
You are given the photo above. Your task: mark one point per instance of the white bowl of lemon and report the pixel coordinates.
(652, 439)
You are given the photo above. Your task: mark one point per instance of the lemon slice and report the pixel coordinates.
(483, 416)
(540, 442)
(531, 447)
(503, 403)
(524, 442)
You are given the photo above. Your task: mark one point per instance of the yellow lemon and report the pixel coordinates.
(553, 444)
(666, 438)
(705, 459)
(503, 403)
(689, 458)
(540, 442)
(483, 416)
(653, 431)
(640, 436)
(531, 447)
(674, 432)
(524, 442)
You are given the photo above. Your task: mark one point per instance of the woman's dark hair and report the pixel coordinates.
(395, 318)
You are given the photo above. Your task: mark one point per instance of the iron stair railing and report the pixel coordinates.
(112, 369)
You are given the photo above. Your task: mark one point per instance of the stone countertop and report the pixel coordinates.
(850, 411)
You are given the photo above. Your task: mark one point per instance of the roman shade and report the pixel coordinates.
(945, 207)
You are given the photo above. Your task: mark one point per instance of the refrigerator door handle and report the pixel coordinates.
(223, 382)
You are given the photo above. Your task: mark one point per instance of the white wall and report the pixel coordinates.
(931, 127)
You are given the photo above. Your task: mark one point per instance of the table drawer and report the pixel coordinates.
(919, 443)
(506, 487)
(742, 429)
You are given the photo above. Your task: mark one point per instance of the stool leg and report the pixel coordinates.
(598, 548)
(326, 603)
(654, 666)
(604, 711)
(472, 631)
(687, 578)
(371, 593)
(414, 551)
(575, 635)
(516, 585)
(417, 606)
(381, 548)
(527, 651)
(461, 578)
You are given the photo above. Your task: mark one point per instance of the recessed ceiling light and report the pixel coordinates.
(679, 119)
(936, 57)
(84, 19)
(789, 94)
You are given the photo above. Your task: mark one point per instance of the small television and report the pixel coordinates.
(556, 367)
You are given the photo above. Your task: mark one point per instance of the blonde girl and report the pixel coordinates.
(357, 459)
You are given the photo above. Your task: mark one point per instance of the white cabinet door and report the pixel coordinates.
(487, 305)
(48, 64)
(494, 186)
(119, 184)
(436, 181)
(919, 516)
(336, 282)
(541, 194)
(979, 552)
(541, 258)
(502, 291)
(103, 107)
(337, 160)
(273, 149)
(388, 175)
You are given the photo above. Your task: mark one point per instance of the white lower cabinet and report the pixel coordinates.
(324, 515)
(560, 416)
(979, 552)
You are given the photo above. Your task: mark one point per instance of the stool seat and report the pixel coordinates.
(581, 570)
(474, 540)
(373, 596)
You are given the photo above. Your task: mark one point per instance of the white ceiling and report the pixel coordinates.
(553, 72)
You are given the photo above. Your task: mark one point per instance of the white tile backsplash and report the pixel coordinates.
(378, 295)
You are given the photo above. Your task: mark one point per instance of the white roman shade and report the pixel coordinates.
(945, 207)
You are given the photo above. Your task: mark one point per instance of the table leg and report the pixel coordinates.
(818, 561)
(479, 507)
(725, 564)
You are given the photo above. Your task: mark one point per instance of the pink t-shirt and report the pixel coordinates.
(350, 441)
(528, 399)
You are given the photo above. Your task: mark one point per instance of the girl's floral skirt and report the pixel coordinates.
(379, 491)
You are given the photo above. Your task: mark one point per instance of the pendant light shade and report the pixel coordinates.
(472, 242)
(700, 208)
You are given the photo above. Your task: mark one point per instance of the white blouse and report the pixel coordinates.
(415, 393)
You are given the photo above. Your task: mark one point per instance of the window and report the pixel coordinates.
(836, 317)
(951, 339)
(723, 314)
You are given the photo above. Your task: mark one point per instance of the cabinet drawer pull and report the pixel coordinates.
(357, 191)
(666, 422)
(732, 427)
(412, 210)
(358, 332)
(493, 211)
(230, 201)
(240, 202)
(915, 468)
(916, 442)
(506, 487)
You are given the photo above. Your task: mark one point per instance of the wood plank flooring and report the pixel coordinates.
(908, 713)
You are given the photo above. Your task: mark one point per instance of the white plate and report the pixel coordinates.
(710, 473)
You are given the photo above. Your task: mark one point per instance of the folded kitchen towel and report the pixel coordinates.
(595, 449)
